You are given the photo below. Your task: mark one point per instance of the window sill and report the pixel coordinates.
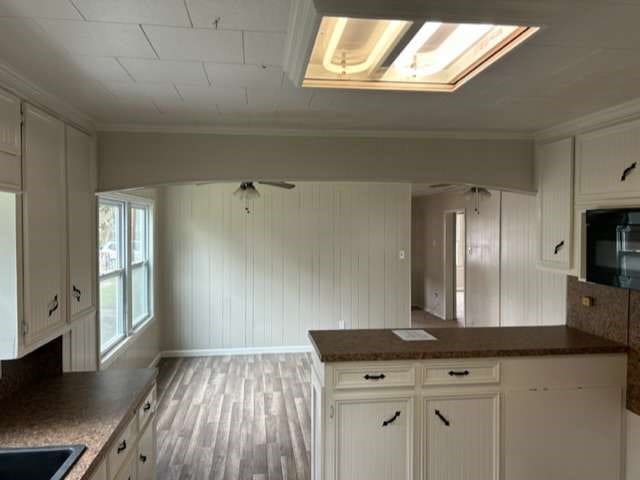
(110, 357)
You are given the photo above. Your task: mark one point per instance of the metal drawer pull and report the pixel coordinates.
(557, 248)
(391, 420)
(382, 376)
(454, 373)
(53, 306)
(122, 447)
(143, 458)
(147, 407)
(628, 170)
(442, 417)
(76, 293)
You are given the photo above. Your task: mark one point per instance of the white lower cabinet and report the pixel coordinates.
(567, 434)
(526, 418)
(101, 472)
(461, 437)
(146, 454)
(374, 439)
(129, 469)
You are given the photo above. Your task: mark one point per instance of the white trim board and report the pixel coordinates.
(155, 361)
(219, 352)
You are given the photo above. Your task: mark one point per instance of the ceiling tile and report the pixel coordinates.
(259, 76)
(196, 44)
(98, 39)
(156, 12)
(165, 71)
(264, 48)
(106, 69)
(164, 96)
(59, 9)
(213, 96)
(262, 15)
(280, 98)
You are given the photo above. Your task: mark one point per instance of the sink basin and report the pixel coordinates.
(43, 463)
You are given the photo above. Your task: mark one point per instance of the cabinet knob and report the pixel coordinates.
(122, 447)
(558, 247)
(457, 373)
(442, 418)
(391, 420)
(628, 170)
(143, 458)
(77, 293)
(146, 407)
(381, 376)
(53, 305)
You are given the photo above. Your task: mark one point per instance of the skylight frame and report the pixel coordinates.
(505, 46)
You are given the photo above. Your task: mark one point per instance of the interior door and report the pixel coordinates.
(81, 211)
(44, 225)
(462, 437)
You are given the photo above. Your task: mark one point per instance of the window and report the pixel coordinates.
(125, 253)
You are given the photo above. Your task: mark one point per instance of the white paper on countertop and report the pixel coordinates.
(414, 335)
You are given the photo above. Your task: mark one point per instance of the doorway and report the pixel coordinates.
(455, 266)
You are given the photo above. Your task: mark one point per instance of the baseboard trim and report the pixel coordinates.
(154, 362)
(218, 352)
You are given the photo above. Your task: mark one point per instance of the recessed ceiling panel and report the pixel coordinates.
(58, 9)
(264, 48)
(258, 76)
(405, 55)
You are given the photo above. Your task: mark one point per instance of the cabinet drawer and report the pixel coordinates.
(128, 471)
(123, 446)
(461, 373)
(147, 408)
(374, 376)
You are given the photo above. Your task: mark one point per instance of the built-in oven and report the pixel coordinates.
(613, 247)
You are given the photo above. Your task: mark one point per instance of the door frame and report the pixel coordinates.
(449, 263)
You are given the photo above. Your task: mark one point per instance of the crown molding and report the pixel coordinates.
(603, 118)
(284, 132)
(32, 93)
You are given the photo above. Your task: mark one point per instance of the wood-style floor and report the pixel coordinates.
(234, 418)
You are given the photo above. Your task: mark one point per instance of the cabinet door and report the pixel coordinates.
(10, 143)
(462, 437)
(101, 472)
(146, 454)
(374, 439)
(571, 434)
(44, 226)
(555, 197)
(81, 211)
(607, 163)
(129, 469)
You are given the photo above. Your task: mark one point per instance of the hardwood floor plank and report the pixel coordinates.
(234, 418)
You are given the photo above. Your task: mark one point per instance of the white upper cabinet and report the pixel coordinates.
(608, 163)
(554, 164)
(44, 227)
(81, 212)
(10, 142)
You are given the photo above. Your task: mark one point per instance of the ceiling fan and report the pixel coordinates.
(248, 192)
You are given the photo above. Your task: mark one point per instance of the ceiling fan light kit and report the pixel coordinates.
(247, 192)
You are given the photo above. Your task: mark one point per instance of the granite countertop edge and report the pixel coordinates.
(603, 346)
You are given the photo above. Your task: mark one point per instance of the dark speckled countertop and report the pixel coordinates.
(75, 408)
(368, 345)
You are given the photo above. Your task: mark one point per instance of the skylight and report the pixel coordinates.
(404, 55)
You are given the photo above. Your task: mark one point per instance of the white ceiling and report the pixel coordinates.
(219, 63)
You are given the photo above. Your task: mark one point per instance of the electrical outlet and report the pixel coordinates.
(341, 325)
(402, 255)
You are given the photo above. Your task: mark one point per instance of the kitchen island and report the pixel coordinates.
(515, 403)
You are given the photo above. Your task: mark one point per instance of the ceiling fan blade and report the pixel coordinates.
(286, 185)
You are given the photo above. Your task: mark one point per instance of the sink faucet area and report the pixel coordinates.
(39, 463)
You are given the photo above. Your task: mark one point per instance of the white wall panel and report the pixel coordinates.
(303, 259)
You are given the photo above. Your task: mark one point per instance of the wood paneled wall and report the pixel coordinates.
(304, 259)
(504, 286)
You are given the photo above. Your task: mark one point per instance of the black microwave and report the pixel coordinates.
(613, 247)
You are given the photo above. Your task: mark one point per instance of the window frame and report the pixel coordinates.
(131, 326)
